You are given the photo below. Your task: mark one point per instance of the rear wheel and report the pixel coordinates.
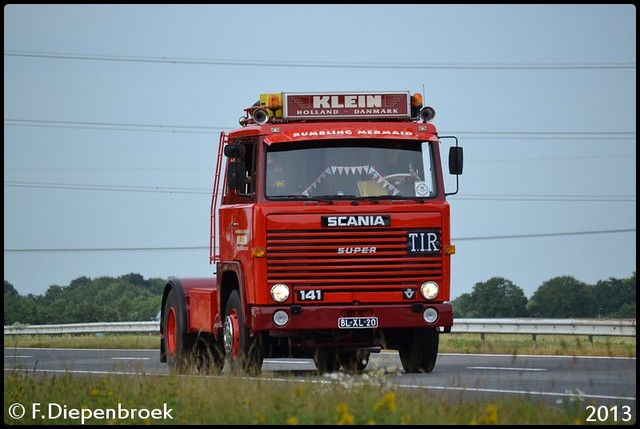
(178, 345)
(244, 352)
(187, 353)
(354, 360)
(418, 353)
(326, 360)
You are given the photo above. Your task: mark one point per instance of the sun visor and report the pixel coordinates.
(317, 131)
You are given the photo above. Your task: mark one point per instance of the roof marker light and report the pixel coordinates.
(274, 102)
(416, 100)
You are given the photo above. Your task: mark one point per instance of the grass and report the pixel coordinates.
(265, 401)
(449, 343)
(333, 399)
(561, 345)
(85, 341)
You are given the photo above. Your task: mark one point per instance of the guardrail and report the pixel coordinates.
(533, 327)
(84, 328)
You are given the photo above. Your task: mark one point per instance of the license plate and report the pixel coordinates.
(357, 322)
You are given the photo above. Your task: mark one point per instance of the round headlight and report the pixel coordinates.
(280, 292)
(430, 315)
(429, 290)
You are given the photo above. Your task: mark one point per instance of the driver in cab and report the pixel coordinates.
(279, 182)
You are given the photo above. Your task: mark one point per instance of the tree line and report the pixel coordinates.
(558, 298)
(131, 298)
(128, 298)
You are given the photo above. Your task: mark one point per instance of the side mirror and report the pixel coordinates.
(234, 151)
(455, 160)
(236, 175)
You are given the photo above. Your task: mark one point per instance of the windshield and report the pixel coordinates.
(359, 169)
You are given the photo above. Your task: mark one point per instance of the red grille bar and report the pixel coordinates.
(304, 258)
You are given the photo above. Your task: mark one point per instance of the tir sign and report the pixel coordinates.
(424, 242)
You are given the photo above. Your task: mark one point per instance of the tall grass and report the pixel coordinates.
(331, 400)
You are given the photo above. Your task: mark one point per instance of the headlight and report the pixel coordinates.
(280, 292)
(429, 290)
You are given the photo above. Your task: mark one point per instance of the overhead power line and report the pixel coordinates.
(107, 249)
(122, 188)
(322, 64)
(557, 198)
(110, 188)
(110, 126)
(191, 248)
(555, 234)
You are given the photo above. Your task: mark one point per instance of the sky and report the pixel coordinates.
(112, 115)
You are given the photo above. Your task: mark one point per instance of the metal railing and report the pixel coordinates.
(533, 327)
(85, 328)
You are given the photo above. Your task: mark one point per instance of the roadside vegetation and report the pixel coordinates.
(338, 399)
(449, 343)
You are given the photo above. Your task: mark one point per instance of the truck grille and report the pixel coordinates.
(335, 260)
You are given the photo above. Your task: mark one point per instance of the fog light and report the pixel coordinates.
(429, 290)
(430, 315)
(280, 318)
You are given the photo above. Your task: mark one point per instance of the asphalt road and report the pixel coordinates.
(606, 381)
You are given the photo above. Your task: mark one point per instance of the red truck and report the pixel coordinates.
(330, 236)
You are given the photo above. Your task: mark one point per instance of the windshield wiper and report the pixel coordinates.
(301, 197)
(377, 198)
(406, 197)
(354, 198)
(329, 199)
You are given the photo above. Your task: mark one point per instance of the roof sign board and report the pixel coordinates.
(352, 105)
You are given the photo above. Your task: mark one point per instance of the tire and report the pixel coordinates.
(354, 361)
(420, 351)
(243, 352)
(178, 345)
(209, 359)
(326, 360)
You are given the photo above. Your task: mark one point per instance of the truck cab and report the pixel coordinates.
(330, 235)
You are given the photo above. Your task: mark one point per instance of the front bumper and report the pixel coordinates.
(389, 316)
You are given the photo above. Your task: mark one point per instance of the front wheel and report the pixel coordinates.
(209, 359)
(418, 353)
(244, 352)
